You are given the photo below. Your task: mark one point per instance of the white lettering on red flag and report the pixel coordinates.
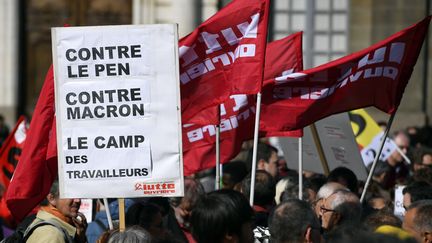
(223, 56)
(376, 76)
(237, 114)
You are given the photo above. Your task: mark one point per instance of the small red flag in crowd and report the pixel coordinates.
(223, 56)
(10, 154)
(35, 171)
(11, 151)
(376, 76)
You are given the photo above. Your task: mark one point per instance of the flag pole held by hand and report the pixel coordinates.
(122, 223)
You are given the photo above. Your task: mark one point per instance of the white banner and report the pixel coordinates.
(117, 111)
(369, 152)
(399, 210)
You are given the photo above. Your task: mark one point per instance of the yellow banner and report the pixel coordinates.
(364, 127)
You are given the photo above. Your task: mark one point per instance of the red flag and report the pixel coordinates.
(283, 57)
(376, 76)
(35, 171)
(238, 113)
(223, 56)
(11, 151)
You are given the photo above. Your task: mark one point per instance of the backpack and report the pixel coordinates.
(21, 235)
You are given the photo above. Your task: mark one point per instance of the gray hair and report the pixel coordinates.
(343, 196)
(348, 205)
(422, 220)
(132, 234)
(328, 189)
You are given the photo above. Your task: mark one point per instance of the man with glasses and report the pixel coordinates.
(324, 192)
(339, 209)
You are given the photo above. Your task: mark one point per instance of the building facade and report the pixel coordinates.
(332, 29)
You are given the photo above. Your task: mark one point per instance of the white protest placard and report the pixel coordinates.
(338, 144)
(86, 208)
(399, 209)
(369, 152)
(117, 111)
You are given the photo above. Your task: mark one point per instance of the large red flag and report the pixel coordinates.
(223, 56)
(11, 151)
(238, 113)
(376, 76)
(35, 171)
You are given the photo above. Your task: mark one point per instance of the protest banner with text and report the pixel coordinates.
(117, 111)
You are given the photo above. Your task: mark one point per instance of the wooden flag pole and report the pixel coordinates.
(255, 149)
(122, 220)
(383, 139)
(320, 149)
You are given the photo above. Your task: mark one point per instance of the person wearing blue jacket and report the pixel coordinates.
(100, 222)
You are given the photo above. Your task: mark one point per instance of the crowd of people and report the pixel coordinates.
(330, 209)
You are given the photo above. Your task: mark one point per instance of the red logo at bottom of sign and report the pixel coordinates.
(156, 188)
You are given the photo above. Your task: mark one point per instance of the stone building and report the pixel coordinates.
(332, 29)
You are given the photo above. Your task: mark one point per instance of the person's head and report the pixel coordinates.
(315, 183)
(265, 188)
(423, 159)
(424, 174)
(233, 172)
(416, 191)
(282, 167)
(130, 235)
(324, 192)
(282, 184)
(401, 139)
(427, 159)
(280, 187)
(267, 158)
(193, 191)
(294, 221)
(378, 202)
(222, 216)
(417, 220)
(341, 208)
(381, 171)
(345, 177)
(381, 217)
(148, 216)
(292, 192)
(68, 206)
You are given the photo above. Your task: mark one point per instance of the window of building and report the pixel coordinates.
(324, 24)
